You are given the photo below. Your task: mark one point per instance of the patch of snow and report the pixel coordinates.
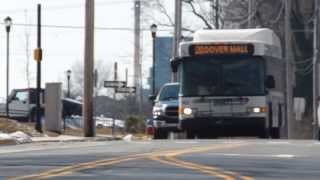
(128, 137)
(4, 136)
(21, 137)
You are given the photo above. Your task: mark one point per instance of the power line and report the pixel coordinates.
(82, 27)
(71, 6)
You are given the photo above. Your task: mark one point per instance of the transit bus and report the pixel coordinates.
(232, 82)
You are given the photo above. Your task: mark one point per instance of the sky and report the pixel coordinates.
(62, 47)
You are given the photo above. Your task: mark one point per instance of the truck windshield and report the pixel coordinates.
(169, 92)
(224, 76)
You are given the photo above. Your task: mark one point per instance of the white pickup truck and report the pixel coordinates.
(22, 104)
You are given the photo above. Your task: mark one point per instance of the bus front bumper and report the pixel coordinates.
(246, 126)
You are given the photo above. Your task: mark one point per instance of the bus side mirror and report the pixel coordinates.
(270, 82)
(174, 64)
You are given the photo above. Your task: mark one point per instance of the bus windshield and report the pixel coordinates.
(222, 76)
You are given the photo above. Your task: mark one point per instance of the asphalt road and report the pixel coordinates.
(158, 160)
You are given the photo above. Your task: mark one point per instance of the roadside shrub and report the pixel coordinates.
(135, 124)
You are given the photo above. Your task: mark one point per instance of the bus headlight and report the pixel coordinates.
(187, 111)
(257, 109)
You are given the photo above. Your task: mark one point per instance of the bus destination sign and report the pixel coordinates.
(221, 49)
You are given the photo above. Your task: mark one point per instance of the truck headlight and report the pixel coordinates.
(156, 111)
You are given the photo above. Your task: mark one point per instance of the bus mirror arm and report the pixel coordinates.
(270, 82)
(174, 64)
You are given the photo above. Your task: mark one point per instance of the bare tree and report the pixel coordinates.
(208, 12)
(104, 73)
(27, 50)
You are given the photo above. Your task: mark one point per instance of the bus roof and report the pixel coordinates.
(265, 41)
(264, 36)
(171, 84)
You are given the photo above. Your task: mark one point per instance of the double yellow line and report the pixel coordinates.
(166, 157)
(170, 159)
(74, 168)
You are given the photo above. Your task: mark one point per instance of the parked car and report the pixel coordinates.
(22, 105)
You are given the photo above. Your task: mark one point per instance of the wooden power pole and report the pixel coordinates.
(217, 14)
(137, 56)
(251, 9)
(89, 124)
(177, 31)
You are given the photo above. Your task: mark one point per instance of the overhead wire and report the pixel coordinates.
(71, 6)
(82, 27)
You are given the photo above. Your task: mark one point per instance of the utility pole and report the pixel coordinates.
(316, 69)
(137, 56)
(217, 8)
(251, 10)
(126, 75)
(177, 32)
(89, 124)
(95, 80)
(289, 74)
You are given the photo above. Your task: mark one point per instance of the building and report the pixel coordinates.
(163, 53)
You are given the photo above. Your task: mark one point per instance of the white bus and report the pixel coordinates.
(232, 82)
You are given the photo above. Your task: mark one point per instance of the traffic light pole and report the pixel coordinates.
(38, 58)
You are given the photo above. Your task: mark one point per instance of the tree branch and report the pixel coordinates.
(195, 12)
(164, 11)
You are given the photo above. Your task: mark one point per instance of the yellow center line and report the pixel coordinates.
(196, 168)
(82, 166)
(208, 168)
(170, 158)
(67, 170)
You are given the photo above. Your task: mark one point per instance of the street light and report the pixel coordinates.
(7, 23)
(68, 73)
(153, 29)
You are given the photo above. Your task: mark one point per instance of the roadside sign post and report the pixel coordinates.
(126, 90)
(119, 87)
(115, 84)
(115, 96)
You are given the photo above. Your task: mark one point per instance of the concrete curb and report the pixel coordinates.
(4, 142)
(77, 139)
